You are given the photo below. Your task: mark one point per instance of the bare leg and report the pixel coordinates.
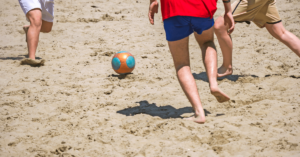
(226, 47)
(46, 27)
(209, 56)
(290, 40)
(32, 32)
(25, 28)
(180, 53)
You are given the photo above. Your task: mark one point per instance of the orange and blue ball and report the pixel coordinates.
(123, 62)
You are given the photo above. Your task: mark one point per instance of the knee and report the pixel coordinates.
(219, 26)
(182, 67)
(35, 22)
(35, 18)
(277, 31)
(207, 44)
(279, 34)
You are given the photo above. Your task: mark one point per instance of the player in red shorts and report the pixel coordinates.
(182, 18)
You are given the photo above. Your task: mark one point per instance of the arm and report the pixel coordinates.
(228, 18)
(153, 8)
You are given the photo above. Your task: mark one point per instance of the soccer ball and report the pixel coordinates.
(123, 62)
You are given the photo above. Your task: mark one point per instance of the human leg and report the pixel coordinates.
(46, 27)
(243, 11)
(33, 35)
(25, 28)
(40, 14)
(33, 31)
(290, 40)
(180, 53)
(226, 47)
(209, 55)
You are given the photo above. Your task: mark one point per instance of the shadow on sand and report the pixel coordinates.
(203, 76)
(163, 112)
(120, 76)
(20, 57)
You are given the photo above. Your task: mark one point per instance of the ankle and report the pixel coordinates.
(214, 89)
(32, 57)
(227, 66)
(200, 116)
(199, 112)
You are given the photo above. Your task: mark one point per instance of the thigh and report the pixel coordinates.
(180, 52)
(205, 40)
(205, 37)
(34, 16)
(276, 30)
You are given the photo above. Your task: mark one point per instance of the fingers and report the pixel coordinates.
(229, 21)
(151, 17)
(153, 8)
(231, 29)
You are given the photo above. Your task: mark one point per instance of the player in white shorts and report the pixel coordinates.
(40, 14)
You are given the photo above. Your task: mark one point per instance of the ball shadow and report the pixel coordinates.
(121, 76)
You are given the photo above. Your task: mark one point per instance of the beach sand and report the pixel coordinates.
(76, 105)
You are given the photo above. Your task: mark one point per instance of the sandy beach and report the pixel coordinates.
(77, 106)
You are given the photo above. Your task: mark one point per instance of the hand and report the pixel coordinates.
(153, 8)
(228, 19)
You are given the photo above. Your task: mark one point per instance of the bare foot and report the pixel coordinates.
(32, 62)
(220, 96)
(25, 28)
(222, 71)
(196, 119)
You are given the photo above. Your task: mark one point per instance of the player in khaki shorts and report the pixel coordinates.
(40, 14)
(264, 14)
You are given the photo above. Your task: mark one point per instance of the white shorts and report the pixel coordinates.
(46, 6)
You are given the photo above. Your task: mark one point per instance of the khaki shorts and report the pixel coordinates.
(258, 11)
